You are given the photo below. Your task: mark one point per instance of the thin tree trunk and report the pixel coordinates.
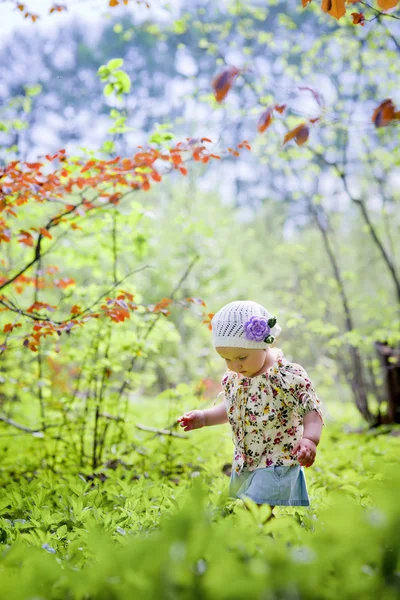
(390, 362)
(357, 381)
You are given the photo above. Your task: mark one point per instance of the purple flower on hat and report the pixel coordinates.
(256, 329)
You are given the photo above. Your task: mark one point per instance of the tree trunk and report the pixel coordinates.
(356, 378)
(390, 362)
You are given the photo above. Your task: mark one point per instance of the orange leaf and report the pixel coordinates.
(164, 302)
(128, 295)
(265, 119)
(280, 107)
(223, 82)
(387, 4)
(26, 238)
(196, 301)
(358, 18)
(88, 166)
(64, 283)
(46, 233)
(8, 327)
(384, 113)
(305, 2)
(113, 2)
(176, 159)
(299, 133)
(335, 8)
(75, 309)
(127, 163)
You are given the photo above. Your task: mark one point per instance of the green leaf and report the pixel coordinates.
(108, 90)
(103, 73)
(27, 105)
(124, 81)
(115, 63)
(180, 26)
(19, 125)
(33, 90)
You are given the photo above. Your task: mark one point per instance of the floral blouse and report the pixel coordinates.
(266, 413)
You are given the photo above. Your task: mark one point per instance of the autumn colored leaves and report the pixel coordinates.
(384, 114)
(22, 183)
(337, 8)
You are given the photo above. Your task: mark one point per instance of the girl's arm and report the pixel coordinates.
(312, 426)
(216, 415)
(195, 419)
(306, 448)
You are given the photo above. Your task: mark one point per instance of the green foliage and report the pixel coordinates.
(160, 525)
(14, 117)
(117, 81)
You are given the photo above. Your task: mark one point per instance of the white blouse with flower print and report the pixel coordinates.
(266, 413)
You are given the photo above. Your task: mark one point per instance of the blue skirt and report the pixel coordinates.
(276, 485)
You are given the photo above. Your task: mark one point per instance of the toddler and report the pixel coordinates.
(271, 405)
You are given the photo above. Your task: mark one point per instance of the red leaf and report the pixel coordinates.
(299, 134)
(358, 18)
(223, 82)
(265, 119)
(384, 113)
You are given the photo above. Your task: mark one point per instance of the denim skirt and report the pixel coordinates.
(275, 485)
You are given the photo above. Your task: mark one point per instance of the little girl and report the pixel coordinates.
(271, 405)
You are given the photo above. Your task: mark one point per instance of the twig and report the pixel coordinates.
(11, 306)
(161, 431)
(23, 427)
(380, 13)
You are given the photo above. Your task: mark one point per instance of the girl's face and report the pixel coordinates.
(246, 361)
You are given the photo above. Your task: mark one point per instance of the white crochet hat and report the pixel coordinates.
(244, 324)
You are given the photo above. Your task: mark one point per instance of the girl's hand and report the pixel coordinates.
(193, 419)
(306, 451)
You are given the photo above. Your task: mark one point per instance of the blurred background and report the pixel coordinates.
(308, 231)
